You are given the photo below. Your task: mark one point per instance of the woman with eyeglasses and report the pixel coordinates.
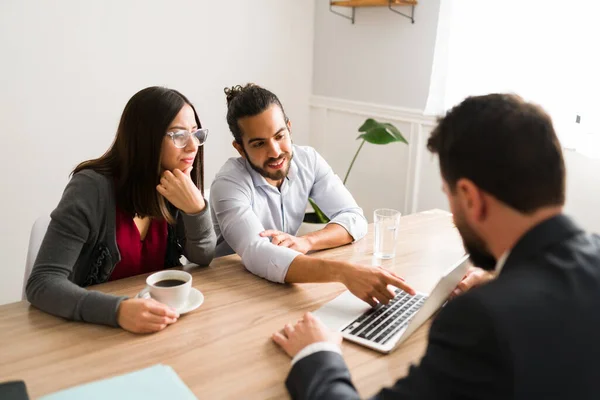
(136, 209)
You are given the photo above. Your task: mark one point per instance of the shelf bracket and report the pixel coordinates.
(411, 16)
(343, 15)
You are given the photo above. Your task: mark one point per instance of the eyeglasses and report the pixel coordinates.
(182, 138)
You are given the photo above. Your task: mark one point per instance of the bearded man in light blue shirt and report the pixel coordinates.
(258, 202)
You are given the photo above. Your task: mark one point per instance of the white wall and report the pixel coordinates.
(384, 176)
(583, 189)
(407, 178)
(381, 59)
(379, 67)
(68, 68)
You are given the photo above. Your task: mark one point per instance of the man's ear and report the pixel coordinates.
(472, 199)
(289, 126)
(239, 148)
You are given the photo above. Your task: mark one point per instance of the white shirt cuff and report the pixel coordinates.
(314, 348)
(280, 261)
(355, 224)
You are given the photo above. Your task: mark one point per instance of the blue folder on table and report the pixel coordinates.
(156, 382)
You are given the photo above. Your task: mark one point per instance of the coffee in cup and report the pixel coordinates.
(169, 283)
(170, 287)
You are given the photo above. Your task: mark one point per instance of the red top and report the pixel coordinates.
(139, 256)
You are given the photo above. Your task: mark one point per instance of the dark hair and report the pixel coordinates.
(506, 146)
(247, 101)
(133, 160)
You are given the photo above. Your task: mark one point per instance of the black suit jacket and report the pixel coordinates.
(533, 333)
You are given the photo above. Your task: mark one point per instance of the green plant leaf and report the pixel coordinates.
(319, 213)
(369, 124)
(380, 132)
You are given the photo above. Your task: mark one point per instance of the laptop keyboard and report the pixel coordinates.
(380, 323)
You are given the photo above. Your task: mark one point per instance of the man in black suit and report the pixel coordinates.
(531, 333)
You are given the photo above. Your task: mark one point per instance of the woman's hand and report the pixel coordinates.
(179, 189)
(145, 315)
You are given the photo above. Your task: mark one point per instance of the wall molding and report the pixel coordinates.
(419, 124)
(403, 114)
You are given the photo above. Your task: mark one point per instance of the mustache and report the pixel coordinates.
(273, 160)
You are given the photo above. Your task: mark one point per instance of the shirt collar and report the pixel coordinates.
(501, 261)
(257, 179)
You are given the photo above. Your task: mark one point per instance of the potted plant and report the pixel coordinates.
(372, 132)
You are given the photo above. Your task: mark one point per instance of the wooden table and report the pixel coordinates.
(224, 348)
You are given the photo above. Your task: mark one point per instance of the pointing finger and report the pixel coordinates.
(399, 283)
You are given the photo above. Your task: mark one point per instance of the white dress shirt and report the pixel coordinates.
(244, 204)
(501, 261)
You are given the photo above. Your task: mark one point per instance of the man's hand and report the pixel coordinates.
(370, 284)
(474, 277)
(307, 331)
(145, 315)
(179, 189)
(278, 238)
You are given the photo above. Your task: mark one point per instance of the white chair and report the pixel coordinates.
(38, 231)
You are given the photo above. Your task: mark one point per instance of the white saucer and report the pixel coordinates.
(195, 300)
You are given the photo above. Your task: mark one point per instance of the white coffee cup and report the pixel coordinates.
(162, 287)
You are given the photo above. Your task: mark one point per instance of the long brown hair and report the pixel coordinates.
(133, 160)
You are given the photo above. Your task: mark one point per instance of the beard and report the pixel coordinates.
(276, 175)
(479, 253)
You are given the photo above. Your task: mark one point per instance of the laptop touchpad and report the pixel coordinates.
(341, 311)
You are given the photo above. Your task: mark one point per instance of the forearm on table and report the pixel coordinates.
(305, 269)
(333, 235)
(65, 299)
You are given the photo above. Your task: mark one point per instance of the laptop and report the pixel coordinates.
(384, 327)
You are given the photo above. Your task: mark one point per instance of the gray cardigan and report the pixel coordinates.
(80, 249)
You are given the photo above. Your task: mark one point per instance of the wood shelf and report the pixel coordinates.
(372, 3)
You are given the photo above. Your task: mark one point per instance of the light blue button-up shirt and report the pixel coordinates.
(244, 204)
